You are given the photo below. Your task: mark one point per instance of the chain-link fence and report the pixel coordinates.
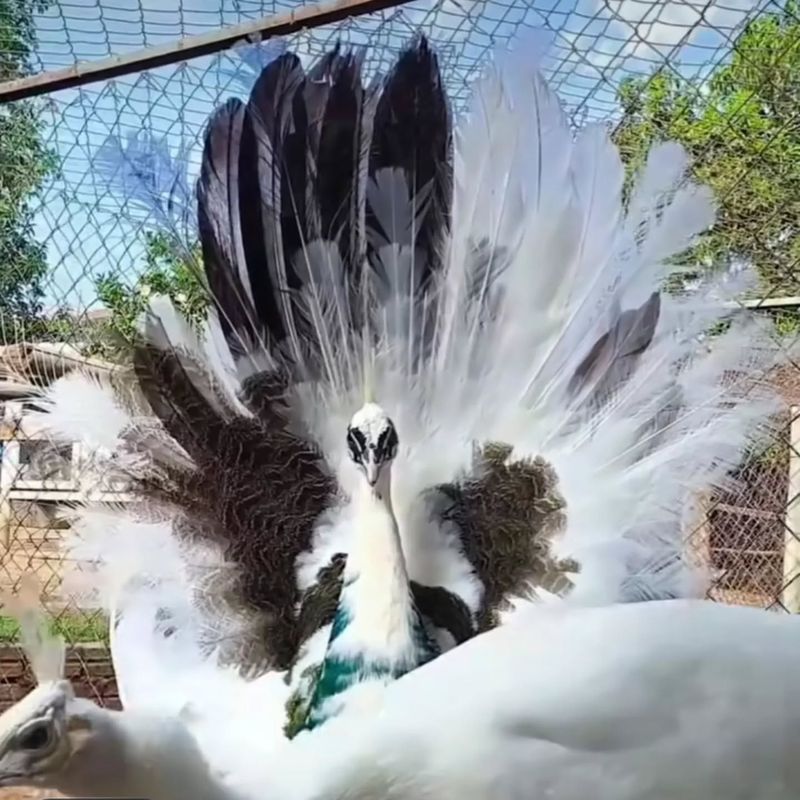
(77, 263)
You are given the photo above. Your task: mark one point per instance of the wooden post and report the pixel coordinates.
(5, 503)
(9, 464)
(698, 541)
(701, 535)
(790, 597)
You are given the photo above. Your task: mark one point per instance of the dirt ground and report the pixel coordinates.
(27, 794)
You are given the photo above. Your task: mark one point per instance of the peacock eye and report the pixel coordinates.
(36, 737)
(387, 444)
(356, 444)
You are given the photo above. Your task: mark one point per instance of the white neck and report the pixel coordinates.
(377, 540)
(133, 755)
(377, 592)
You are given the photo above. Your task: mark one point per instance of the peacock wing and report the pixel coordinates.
(509, 511)
(250, 486)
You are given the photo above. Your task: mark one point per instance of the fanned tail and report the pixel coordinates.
(558, 411)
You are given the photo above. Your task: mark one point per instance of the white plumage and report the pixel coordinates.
(674, 699)
(535, 320)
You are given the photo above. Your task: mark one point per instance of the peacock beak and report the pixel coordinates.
(371, 469)
(14, 768)
(9, 779)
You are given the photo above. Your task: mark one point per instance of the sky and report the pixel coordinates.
(89, 230)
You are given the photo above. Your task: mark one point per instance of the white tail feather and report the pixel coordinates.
(82, 407)
(45, 651)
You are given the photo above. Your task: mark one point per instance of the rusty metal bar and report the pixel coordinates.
(306, 16)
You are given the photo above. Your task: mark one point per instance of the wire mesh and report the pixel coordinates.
(723, 77)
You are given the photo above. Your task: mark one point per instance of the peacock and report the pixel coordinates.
(678, 699)
(421, 613)
(439, 379)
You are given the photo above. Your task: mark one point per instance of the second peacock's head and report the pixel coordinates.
(372, 441)
(55, 740)
(34, 737)
(45, 735)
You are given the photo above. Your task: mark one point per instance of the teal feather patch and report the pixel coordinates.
(338, 674)
(340, 622)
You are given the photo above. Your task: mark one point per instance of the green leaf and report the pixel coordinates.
(743, 135)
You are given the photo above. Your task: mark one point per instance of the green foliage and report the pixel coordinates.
(743, 132)
(787, 323)
(76, 628)
(25, 164)
(169, 269)
(17, 35)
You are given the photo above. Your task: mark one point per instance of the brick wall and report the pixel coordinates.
(88, 667)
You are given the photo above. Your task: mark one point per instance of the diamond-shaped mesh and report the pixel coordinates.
(71, 217)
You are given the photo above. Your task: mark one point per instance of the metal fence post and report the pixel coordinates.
(790, 596)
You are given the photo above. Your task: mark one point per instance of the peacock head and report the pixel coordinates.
(46, 734)
(372, 441)
(40, 734)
